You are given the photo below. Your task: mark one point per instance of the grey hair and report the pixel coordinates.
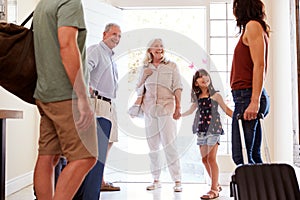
(148, 57)
(108, 26)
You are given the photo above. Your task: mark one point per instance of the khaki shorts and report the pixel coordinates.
(107, 110)
(58, 134)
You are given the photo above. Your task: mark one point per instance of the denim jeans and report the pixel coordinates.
(90, 188)
(62, 162)
(252, 128)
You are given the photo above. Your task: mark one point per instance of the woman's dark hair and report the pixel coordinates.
(246, 10)
(196, 91)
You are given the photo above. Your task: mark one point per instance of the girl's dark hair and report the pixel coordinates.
(196, 91)
(246, 10)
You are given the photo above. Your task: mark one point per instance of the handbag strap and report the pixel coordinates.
(27, 19)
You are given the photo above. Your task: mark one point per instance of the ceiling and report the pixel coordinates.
(157, 3)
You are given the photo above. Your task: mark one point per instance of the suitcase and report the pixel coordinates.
(268, 181)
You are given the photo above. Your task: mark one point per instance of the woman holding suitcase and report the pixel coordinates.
(249, 67)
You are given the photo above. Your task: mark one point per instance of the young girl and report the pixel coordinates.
(207, 125)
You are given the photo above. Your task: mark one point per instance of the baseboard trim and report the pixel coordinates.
(18, 183)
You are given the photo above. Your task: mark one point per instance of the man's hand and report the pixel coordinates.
(86, 114)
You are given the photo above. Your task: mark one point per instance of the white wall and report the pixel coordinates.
(97, 15)
(280, 84)
(21, 140)
(280, 76)
(24, 8)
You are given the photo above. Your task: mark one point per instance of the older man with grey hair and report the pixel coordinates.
(103, 86)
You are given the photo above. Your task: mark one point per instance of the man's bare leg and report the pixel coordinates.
(44, 176)
(71, 178)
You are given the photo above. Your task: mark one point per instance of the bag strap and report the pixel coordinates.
(27, 19)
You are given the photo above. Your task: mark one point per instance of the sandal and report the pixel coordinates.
(212, 194)
(219, 188)
(177, 188)
(107, 186)
(155, 185)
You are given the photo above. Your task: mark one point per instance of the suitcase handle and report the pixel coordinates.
(242, 136)
(260, 116)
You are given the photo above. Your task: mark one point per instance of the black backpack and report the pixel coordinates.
(17, 62)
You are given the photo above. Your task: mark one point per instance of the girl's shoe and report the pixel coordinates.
(212, 194)
(219, 188)
(154, 186)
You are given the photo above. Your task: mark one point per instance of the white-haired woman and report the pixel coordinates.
(161, 105)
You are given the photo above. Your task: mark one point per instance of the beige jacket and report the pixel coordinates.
(159, 98)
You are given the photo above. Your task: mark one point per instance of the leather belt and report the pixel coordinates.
(95, 93)
(104, 98)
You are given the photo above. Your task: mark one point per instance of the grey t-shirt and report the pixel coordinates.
(53, 83)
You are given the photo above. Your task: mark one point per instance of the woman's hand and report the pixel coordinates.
(177, 114)
(251, 111)
(138, 101)
(147, 72)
